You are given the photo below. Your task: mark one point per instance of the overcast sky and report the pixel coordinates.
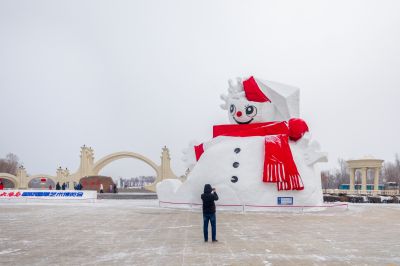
(138, 75)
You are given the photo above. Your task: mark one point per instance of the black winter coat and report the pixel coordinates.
(208, 199)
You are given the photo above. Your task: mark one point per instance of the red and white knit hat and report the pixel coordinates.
(284, 97)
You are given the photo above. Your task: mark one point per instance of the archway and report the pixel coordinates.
(130, 174)
(10, 181)
(141, 181)
(41, 182)
(100, 164)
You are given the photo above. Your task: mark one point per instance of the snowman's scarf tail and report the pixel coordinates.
(279, 166)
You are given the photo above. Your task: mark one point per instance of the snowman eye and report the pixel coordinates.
(232, 108)
(251, 110)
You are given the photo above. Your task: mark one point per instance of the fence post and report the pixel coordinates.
(243, 207)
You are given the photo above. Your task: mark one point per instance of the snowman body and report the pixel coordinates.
(235, 166)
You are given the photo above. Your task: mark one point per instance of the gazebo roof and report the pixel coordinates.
(365, 161)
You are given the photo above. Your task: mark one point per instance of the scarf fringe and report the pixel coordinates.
(276, 174)
(295, 183)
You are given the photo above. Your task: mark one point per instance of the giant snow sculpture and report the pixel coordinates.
(263, 155)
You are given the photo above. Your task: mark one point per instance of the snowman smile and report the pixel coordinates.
(242, 123)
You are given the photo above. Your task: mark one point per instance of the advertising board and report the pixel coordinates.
(49, 194)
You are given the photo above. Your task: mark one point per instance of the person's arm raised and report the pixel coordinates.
(215, 195)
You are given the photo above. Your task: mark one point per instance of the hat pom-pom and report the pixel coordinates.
(297, 128)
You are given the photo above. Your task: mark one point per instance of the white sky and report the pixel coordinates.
(138, 75)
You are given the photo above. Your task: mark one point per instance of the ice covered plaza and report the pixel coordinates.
(139, 232)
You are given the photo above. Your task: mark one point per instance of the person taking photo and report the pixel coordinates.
(209, 197)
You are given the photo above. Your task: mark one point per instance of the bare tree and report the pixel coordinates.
(334, 178)
(391, 171)
(9, 164)
(325, 179)
(342, 174)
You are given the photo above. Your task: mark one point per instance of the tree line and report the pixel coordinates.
(136, 181)
(333, 178)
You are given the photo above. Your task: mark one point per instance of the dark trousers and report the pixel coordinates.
(209, 217)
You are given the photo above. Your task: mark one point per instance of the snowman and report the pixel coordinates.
(264, 157)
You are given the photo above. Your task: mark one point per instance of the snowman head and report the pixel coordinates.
(242, 111)
(255, 101)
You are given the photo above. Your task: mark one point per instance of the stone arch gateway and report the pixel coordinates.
(100, 164)
(88, 167)
(103, 162)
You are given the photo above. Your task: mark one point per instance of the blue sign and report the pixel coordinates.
(52, 194)
(48, 194)
(285, 200)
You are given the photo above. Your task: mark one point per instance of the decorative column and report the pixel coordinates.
(22, 177)
(364, 179)
(352, 177)
(87, 161)
(60, 175)
(166, 171)
(376, 180)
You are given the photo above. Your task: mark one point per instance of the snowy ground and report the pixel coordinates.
(138, 232)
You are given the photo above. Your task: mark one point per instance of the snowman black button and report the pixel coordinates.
(235, 165)
(234, 179)
(237, 150)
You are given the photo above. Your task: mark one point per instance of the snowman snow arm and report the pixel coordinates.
(193, 152)
(189, 155)
(311, 150)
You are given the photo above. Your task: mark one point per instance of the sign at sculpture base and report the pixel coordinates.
(48, 194)
(285, 200)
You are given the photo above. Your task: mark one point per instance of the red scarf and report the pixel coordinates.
(279, 166)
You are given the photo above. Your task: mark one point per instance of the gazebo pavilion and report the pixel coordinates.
(364, 165)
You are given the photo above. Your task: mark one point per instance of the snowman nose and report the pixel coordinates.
(239, 114)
